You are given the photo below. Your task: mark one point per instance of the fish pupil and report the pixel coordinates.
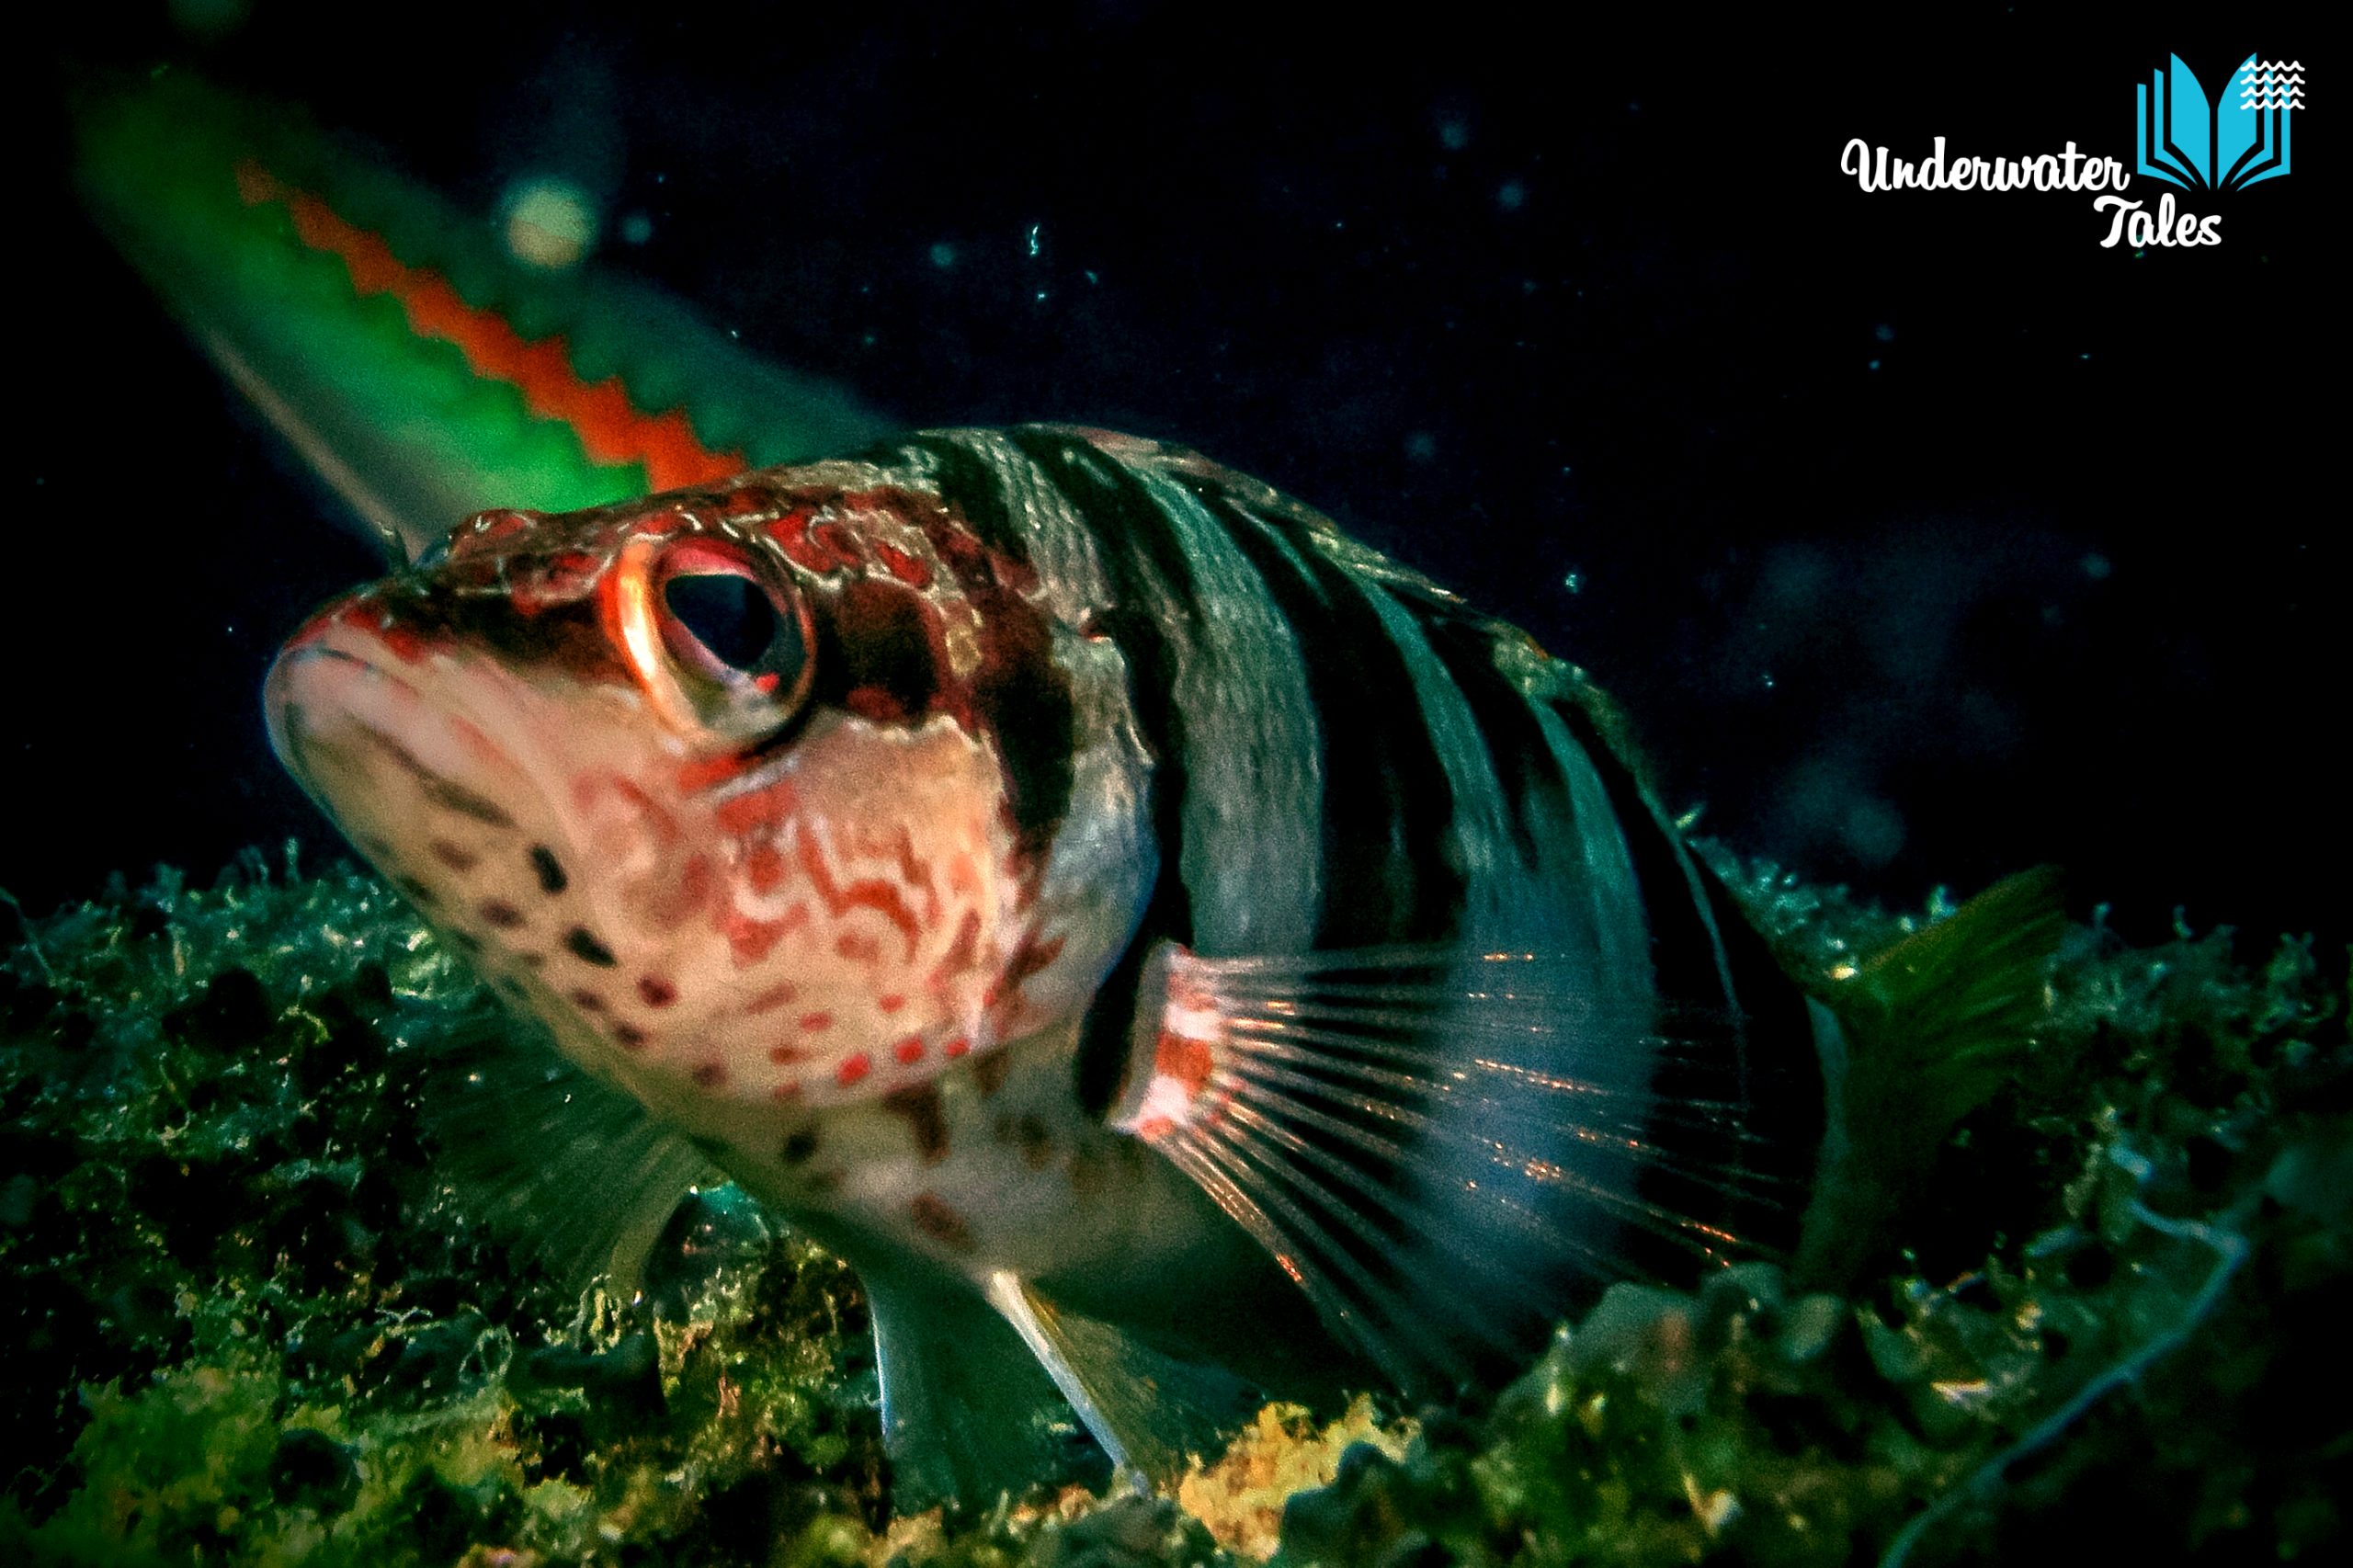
(729, 615)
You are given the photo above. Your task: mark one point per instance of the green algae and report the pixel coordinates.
(246, 1323)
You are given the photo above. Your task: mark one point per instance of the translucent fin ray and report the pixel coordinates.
(571, 1171)
(1445, 1151)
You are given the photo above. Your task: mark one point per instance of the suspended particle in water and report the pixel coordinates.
(550, 222)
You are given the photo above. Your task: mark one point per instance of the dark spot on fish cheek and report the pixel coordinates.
(465, 803)
(800, 1148)
(582, 944)
(549, 870)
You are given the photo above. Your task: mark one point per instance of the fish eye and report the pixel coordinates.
(732, 621)
(718, 636)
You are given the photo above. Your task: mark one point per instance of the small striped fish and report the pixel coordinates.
(1172, 952)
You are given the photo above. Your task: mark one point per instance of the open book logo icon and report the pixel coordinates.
(2184, 138)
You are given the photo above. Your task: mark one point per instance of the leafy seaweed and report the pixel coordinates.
(246, 1323)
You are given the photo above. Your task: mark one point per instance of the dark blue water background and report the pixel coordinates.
(1923, 537)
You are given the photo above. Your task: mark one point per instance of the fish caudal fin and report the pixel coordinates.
(1928, 1030)
(1445, 1152)
(569, 1170)
(968, 1412)
(1150, 1412)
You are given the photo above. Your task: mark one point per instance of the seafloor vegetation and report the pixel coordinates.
(245, 1324)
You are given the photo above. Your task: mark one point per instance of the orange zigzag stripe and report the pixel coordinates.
(612, 430)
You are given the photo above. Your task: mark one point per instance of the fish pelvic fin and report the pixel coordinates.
(1152, 1412)
(1448, 1152)
(969, 1413)
(1913, 1039)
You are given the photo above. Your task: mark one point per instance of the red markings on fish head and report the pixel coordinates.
(490, 534)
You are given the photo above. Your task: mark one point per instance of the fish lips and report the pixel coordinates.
(375, 738)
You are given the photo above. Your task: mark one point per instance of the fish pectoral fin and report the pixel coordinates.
(567, 1169)
(968, 1414)
(1152, 1413)
(1448, 1151)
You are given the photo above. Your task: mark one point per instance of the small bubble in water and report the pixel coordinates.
(1768, 680)
(943, 255)
(1884, 333)
(1421, 445)
(636, 229)
(1453, 134)
(1574, 582)
(1511, 196)
(2097, 566)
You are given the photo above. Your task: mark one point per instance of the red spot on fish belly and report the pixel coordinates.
(938, 1219)
(816, 1023)
(853, 1070)
(909, 1050)
(657, 991)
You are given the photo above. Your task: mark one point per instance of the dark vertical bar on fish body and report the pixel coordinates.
(1742, 1040)
(1385, 793)
(1144, 564)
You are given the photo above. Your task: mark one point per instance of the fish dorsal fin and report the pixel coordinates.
(568, 1169)
(1447, 1150)
(1152, 1412)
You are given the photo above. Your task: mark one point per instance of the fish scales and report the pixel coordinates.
(1136, 926)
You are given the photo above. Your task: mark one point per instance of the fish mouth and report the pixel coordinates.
(327, 707)
(414, 777)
